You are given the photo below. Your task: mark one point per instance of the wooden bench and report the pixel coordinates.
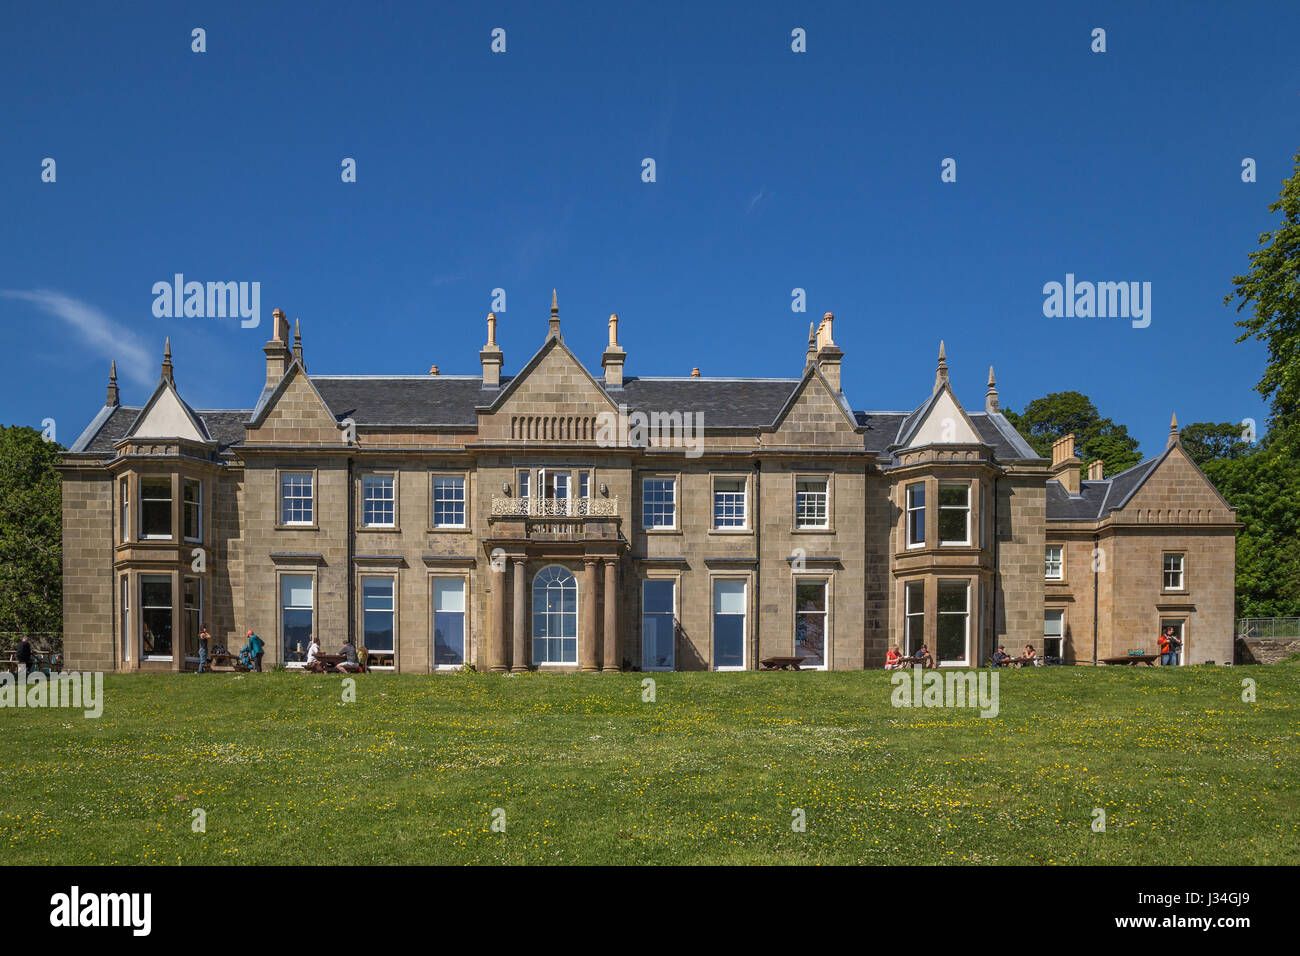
(780, 663)
(1132, 660)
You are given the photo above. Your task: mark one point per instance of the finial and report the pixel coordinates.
(553, 331)
(167, 360)
(297, 331)
(1173, 431)
(991, 396)
(812, 336)
(111, 398)
(941, 373)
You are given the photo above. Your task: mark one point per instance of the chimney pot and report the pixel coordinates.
(1096, 470)
(433, 370)
(695, 372)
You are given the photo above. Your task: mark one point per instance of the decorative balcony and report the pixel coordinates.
(555, 519)
(555, 507)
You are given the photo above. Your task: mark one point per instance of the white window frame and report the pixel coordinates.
(1059, 563)
(576, 613)
(911, 613)
(1048, 612)
(310, 499)
(392, 612)
(171, 609)
(198, 507)
(909, 509)
(171, 511)
(744, 502)
(825, 613)
(965, 485)
(965, 615)
(463, 581)
(282, 606)
(198, 611)
(1180, 571)
(375, 479)
(744, 624)
(673, 615)
(802, 512)
(125, 517)
(672, 483)
(463, 481)
(126, 617)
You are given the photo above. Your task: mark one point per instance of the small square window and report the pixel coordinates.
(1173, 572)
(729, 503)
(296, 497)
(1054, 566)
(658, 503)
(378, 501)
(449, 501)
(812, 506)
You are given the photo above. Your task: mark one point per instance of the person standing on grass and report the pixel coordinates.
(203, 648)
(256, 648)
(24, 656)
(1169, 645)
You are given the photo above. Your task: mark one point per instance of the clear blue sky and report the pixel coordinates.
(775, 170)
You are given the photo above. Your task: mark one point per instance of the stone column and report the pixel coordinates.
(497, 645)
(587, 640)
(521, 658)
(613, 655)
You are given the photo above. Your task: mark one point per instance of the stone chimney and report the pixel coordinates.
(612, 360)
(695, 372)
(1173, 432)
(991, 396)
(1096, 470)
(277, 349)
(1066, 467)
(297, 342)
(941, 373)
(553, 327)
(810, 357)
(111, 400)
(491, 356)
(829, 355)
(167, 375)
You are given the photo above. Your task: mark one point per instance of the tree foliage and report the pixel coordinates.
(1045, 420)
(31, 548)
(1209, 441)
(1271, 292)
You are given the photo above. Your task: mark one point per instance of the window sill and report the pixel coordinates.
(389, 528)
(661, 531)
(450, 530)
(297, 527)
(826, 530)
(730, 531)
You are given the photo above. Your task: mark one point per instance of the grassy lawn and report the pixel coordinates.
(587, 772)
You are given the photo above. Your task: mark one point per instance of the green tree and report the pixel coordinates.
(1271, 291)
(1264, 486)
(1208, 441)
(1045, 420)
(31, 522)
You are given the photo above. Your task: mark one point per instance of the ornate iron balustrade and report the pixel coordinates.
(555, 507)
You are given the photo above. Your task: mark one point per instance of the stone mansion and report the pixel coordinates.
(556, 519)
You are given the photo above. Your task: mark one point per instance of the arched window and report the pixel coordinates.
(555, 616)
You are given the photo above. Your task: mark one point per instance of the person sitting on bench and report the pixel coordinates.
(893, 659)
(1000, 657)
(313, 648)
(924, 656)
(349, 664)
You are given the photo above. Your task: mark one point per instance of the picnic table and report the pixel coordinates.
(780, 663)
(40, 661)
(224, 663)
(1132, 660)
(331, 662)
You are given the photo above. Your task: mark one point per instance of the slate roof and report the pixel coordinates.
(725, 402)
(405, 399)
(225, 426)
(1097, 499)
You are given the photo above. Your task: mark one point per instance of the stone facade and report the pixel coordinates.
(558, 520)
